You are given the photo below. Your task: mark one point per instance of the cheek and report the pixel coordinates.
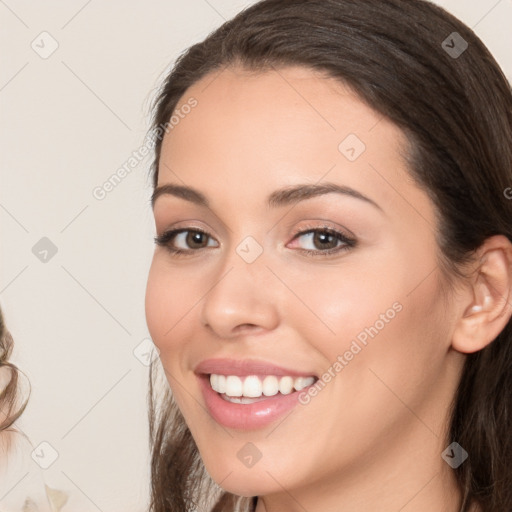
(380, 314)
(155, 304)
(166, 304)
(340, 302)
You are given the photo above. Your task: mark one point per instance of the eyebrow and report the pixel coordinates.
(278, 198)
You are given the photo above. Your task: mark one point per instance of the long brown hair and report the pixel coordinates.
(454, 104)
(10, 408)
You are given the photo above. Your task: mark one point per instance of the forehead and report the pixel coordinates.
(284, 100)
(291, 113)
(256, 131)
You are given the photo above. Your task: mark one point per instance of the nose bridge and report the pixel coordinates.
(239, 294)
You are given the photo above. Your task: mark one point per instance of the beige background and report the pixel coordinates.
(68, 122)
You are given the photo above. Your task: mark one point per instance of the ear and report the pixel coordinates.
(487, 305)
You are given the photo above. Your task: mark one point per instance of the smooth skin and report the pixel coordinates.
(372, 438)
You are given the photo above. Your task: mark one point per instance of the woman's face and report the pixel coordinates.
(361, 311)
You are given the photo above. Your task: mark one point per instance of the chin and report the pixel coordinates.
(247, 482)
(246, 489)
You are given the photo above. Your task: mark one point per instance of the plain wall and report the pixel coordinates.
(68, 122)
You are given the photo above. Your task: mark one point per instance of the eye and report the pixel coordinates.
(319, 241)
(190, 240)
(323, 241)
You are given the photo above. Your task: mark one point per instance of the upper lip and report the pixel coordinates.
(244, 367)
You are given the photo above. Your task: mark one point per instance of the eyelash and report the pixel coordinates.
(165, 238)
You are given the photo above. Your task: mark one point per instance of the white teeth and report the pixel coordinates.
(300, 382)
(214, 382)
(218, 383)
(286, 385)
(233, 386)
(221, 383)
(303, 382)
(242, 399)
(253, 386)
(270, 385)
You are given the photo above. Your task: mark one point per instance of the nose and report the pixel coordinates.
(242, 298)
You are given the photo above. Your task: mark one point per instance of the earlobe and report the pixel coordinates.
(488, 306)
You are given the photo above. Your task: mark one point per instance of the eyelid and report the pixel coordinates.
(349, 241)
(170, 234)
(319, 224)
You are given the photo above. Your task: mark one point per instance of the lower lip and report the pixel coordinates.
(247, 416)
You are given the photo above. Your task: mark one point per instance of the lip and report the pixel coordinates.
(246, 416)
(244, 367)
